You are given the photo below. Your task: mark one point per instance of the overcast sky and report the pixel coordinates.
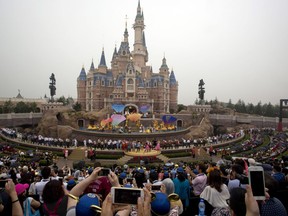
(238, 47)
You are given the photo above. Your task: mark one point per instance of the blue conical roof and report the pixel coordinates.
(172, 78)
(82, 75)
(102, 60)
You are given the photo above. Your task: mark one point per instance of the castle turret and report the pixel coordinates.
(164, 70)
(173, 92)
(140, 54)
(102, 67)
(81, 88)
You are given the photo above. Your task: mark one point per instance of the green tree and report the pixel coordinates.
(181, 107)
(258, 109)
(21, 107)
(8, 107)
(77, 107)
(230, 105)
(240, 106)
(250, 108)
(32, 107)
(63, 100)
(269, 111)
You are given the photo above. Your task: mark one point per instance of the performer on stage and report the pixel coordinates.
(157, 148)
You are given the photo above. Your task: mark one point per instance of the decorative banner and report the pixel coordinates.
(105, 121)
(117, 119)
(118, 107)
(134, 117)
(168, 119)
(145, 108)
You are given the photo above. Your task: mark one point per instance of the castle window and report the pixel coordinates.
(102, 83)
(130, 71)
(130, 82)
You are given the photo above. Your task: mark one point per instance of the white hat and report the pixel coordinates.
(251, 162)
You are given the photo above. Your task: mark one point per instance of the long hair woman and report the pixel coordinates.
(216, 193)
(54, 198)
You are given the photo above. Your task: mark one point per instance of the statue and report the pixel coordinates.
(52, 86)
(201, 90)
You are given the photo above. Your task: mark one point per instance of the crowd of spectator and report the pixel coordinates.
(51, 190)
(30, 189)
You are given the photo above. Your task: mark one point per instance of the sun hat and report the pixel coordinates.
(20, 188)
(87, 205)
(160, 204)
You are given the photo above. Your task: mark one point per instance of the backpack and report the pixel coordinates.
(27, 210)
(54, 211)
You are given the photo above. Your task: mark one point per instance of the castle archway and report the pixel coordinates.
(179, 123)
(131, 108)
(80, 123)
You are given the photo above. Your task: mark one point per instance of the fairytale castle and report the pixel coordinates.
(129, 81)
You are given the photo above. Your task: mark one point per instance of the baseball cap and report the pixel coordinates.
(70, 184)
(87, 205)
(122, 175)
(20, 188)
(160, 204)
(180, 170)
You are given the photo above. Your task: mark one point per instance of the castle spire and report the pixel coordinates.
(102, 60)
(82, 75)
(92, 66)
(126, 31)
(139, 9)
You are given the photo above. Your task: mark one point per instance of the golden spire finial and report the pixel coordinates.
(126, 18)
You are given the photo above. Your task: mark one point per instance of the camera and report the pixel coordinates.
(242, 178)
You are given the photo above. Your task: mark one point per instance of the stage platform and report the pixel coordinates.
(142, 153)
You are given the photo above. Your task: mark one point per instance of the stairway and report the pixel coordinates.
(77, 154)
(123, 160)
(163, 158)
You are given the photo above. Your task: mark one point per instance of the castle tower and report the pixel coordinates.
(139, 54)
(81, 88)
(102, 67)
(173, 92)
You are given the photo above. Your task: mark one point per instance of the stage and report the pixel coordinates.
(143, 153)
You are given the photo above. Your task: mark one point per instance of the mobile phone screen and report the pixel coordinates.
(257, 183)
(130, 180)
(126, 196)
(104, 172)
(2, 183)
(155, 187)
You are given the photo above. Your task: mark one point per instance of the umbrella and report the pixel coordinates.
(144, 108)
(105, 121)
(118, 107)
(117, 119)
(168, 119)
(134, 117)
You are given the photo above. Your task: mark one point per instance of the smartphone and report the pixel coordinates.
(129, 180)
(126, 195)
(3, 183)
(104, 172)
(61, 180)
(257, 181)
(155, 187)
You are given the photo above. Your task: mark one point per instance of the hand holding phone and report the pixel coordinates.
(3, 183)
(257, 182)
(126, 195)
(104, 172)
